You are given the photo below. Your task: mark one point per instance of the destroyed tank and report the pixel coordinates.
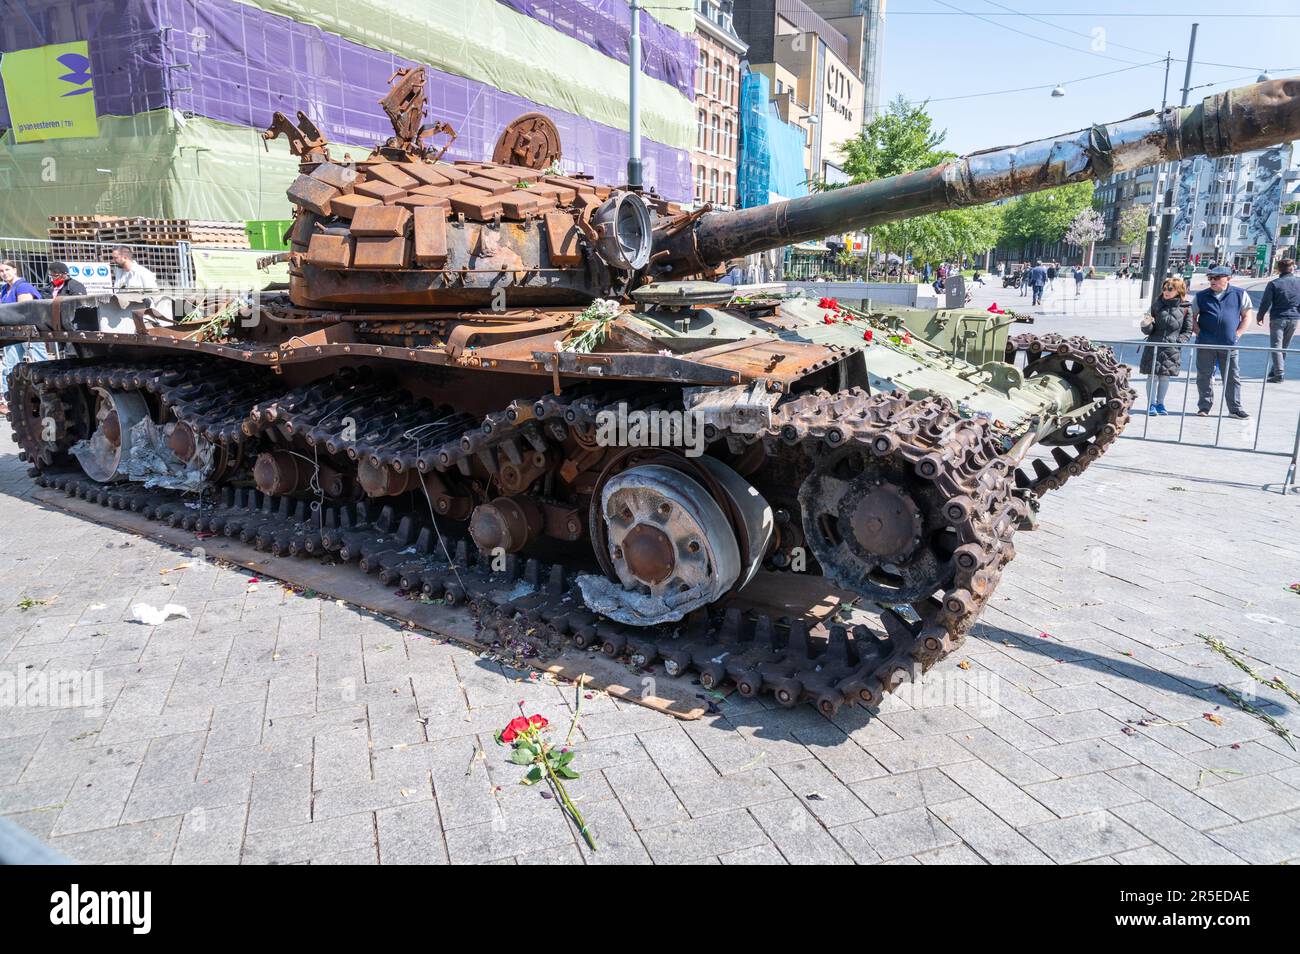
(499, 385)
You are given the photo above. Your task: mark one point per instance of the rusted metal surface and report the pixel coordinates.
(1238, 120)
(531, 141)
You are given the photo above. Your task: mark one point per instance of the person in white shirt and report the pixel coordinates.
(131, 275)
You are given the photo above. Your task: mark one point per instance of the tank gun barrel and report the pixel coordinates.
(1235, 121)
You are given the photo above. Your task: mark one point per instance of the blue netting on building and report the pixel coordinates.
(771, 151)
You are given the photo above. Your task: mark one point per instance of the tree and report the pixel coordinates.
(1087, 227)
(902, 139)
(1133, 226)
(1045, 217)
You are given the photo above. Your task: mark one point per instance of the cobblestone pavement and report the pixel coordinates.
(1080, 723)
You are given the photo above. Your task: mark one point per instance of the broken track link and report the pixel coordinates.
(1099, 375)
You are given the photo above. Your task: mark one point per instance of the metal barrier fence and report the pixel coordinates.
(1254, 365)
(172, 265)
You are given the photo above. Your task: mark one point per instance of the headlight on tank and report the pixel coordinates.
(624, 227)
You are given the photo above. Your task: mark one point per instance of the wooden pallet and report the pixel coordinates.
(147, 231)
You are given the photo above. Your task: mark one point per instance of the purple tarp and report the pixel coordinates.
(245, 64)
(605, 25)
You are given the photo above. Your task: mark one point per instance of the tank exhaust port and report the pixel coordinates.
(675, 538)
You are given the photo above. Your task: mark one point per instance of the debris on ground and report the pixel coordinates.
(152, 616)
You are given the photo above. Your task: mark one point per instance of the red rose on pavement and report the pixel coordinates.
(517, 724)
(537, 721)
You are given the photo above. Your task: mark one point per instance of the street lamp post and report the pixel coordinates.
(634, 99)
(1148, 266)
(1167, 220)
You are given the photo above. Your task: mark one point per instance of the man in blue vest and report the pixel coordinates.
(1219, 314)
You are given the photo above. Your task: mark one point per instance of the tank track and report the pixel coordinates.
(1099, 372)
(532, 608)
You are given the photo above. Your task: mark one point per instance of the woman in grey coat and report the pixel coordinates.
(1169, 322)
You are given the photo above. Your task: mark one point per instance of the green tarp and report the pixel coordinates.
(154, 164)
(487, 41)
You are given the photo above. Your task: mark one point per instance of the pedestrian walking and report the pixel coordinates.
(1220, 314)
(1282, 298)
(14, 288)
(1168, 322)
(1078, 280)
(1022, 279)
(1037, 280)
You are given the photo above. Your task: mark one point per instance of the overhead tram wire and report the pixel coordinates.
(1029, 89)
(1013, 12)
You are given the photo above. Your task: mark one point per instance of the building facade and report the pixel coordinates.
(717, 106)
(1231, 210)
(1112, 197)
(814, 68)
(181, 89)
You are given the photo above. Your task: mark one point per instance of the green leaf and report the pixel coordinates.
(521, 756)
(534, 775)
(565, 772)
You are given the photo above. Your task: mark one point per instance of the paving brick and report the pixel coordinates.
(1081, 837)
(280, 799)
(798, 834)
(1251, 798)
(940, 720)
(908, 832)
(411, 834)
(304, 842)
(1080, 794)
(698, 838)
(988, 835)
(1003, 757)
(349, 797)
(646, 795)
(1173, 798)
(211, 836)
(1264, 841)
(1168, 831)
(123, 842)
(1006, 800)
(825, 796)
(897, 793)
(908, 755)
(96, 800)
(1077, 726)
(759, 855)
(1081, 758)
(172, 800)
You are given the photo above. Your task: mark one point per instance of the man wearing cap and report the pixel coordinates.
(1219, 314)
(62, 284)
(1282, 298)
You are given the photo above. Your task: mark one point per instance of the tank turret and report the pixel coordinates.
(405, 228)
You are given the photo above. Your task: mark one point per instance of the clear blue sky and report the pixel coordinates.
(935, 50)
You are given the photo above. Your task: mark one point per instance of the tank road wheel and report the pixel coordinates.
(109, 447)
(875, 529)
(673, 543)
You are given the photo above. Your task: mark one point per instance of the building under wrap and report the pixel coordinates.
(181, 90)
